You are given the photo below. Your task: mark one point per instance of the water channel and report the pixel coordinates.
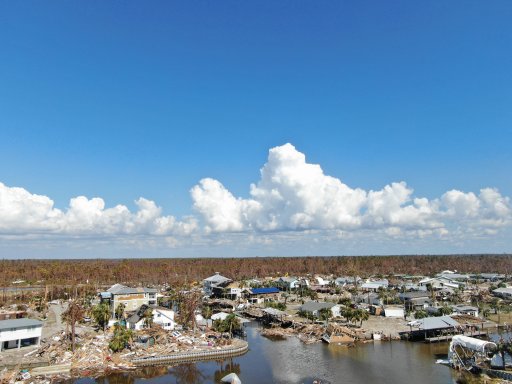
(290, 361)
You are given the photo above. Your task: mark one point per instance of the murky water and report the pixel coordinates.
(290, 361)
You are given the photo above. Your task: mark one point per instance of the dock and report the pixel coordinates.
(438, 339)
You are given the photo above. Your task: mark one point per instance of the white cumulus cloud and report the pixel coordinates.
(293, 194)
(26, 213)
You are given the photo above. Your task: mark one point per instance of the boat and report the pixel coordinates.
(338, 334)
(377, 336)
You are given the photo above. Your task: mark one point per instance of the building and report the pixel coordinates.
(314, 307)
(462, 309)
(431, 327)
(505, 293)
(347, 281)
(415, 300)
(260, 295)
(288, 283)
(132, 298)
(374, 286)
(215, 281)
(17, 333)
(163, 317)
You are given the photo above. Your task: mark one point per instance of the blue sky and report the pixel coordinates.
(127, 100)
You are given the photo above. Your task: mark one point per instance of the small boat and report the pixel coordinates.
(377, 336)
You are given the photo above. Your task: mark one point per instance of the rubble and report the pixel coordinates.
(92, 356)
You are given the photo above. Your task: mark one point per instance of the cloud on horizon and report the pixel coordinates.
(292, 196)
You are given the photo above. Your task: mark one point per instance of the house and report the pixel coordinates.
(232, 291)
(370, 298)
(215, 281)
(17, 333)
(415, 300)
(314, 307)
(259, 295)
(461, 309)
(375, 285)
(347, 281)
(505, 293)
(288, 283)
(437, 283)
(431, 326)
(131, 298)
(163, 317)
(448, 275)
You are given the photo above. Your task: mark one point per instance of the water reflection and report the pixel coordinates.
(290, 361)
(187, 374)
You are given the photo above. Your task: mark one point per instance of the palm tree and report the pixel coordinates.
(325, 314)
(445, 310)
(420, 314)
(232, 323)
(148, 317)
(101, 314)
(120, 311)
(348, 313)
(73, 314)
(362, 316)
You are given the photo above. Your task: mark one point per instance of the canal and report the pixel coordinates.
(290, 361)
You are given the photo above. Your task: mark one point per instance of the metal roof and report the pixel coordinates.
(217, 278)
(312, 306)
(119, 289)
(259, 291)
(435, 323)
(19, 323)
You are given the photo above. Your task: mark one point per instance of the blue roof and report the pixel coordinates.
(258, 291)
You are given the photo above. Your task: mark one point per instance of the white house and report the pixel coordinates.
(288, 282)
(17, 333)
(465, 310)
(163, 317)
(374, 285)
(314, 308)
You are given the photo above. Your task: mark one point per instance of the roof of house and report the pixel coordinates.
(312, 306)
(262, 291)
(503, 290)
(288, 279)
(217, 279)
(138, 314)
(19, 323)
(374, 284)
(434, 323)
(413, 295)
(274, 312)
(119, 289)
(464, 308)
(347, 280)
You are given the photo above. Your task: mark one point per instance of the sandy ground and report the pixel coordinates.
(386, 325)
(53, 323)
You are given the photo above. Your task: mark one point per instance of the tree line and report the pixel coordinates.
(143, 271)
